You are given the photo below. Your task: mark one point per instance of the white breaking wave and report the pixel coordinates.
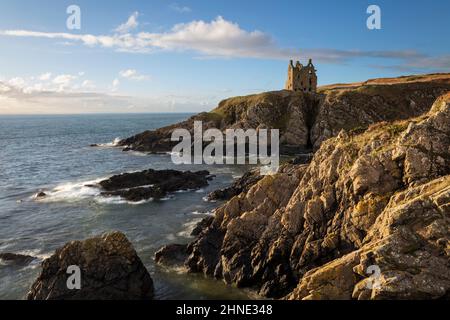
(202, 213)
(78, 191)
(73, 191)
(188, 228)
(111, 144)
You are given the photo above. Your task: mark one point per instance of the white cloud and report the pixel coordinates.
(131, 24)
(178, 8)
(221, 38)
(4, 88)
(46, 83)
(115, 85)
(88, 84)
(45, 76)
(17, 82)
(132, 74)
(64, 81)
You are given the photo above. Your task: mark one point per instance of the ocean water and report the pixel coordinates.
(52, 154)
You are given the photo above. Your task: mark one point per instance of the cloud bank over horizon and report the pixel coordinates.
(18, 98)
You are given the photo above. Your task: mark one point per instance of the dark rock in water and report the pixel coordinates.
(40, 195)
(110, 270)
(172, 255)
(16, 259)
(205, 223)
(94, 145)
(154, 184)
(242, 184)
(137, 194)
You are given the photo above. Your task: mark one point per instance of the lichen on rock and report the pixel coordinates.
(378, 198)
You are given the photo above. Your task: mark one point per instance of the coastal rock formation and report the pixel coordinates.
(144, 185)
(368, 218)
(243, 184)
(306, 120)
(172, 255)
(110, 270)
(16, 259)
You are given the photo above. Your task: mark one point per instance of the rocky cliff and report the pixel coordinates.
(368, 218)
(306, 120)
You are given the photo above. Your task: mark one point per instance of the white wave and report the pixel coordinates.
(188, 228)
(202, 213)
(35, 253)
(205, 199)
(111, 144)
(169, 197)
(200, 191)
(73, 191)
(172, 153)
(118, 200)
(138, 153)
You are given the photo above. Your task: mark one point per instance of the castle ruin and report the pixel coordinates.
(301, 78)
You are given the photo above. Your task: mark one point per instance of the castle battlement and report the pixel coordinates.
(301, 78)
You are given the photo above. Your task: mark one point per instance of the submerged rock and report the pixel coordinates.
(16, 259)
(110, 270)
(376, 200)
(153, 184)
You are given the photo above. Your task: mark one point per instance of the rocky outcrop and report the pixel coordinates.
(243, 184)
(306, 120)
(16, 259)
(153, 184)
(172, 255)
(377, 201)
(110, 270)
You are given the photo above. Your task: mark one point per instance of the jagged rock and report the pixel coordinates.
(172, 255)
(306, 120)
(202, 225)
(154, 184)
(16, 259)
(110, 270)
(242, 184)
(378, 198)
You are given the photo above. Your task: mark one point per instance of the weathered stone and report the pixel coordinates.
(110, 270)
(242, 184)
(377, 198)
(172, 255)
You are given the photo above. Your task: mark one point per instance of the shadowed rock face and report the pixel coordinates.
(110, 270)
(380, 198)
(242, 184)
(306, 120)
(154, 184)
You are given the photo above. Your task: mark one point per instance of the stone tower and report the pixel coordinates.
(301, 78)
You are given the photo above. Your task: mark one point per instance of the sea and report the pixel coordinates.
(52, 153)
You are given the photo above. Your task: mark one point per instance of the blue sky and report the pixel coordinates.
(178, 56)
